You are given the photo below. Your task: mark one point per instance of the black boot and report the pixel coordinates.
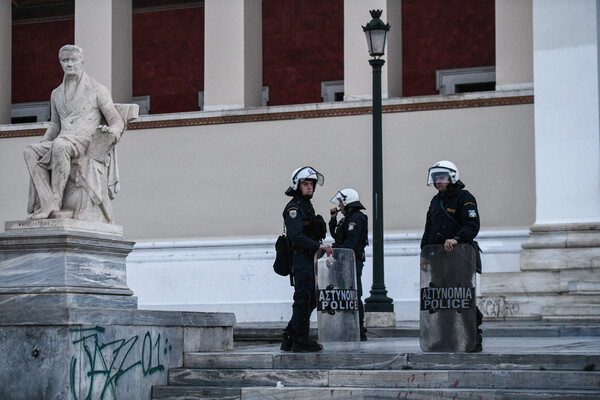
(287, 342)
(302, 344)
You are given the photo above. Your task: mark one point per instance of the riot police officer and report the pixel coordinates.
(305, 230)
(351, 232)
(452, 217)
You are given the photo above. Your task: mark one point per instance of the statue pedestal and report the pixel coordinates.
(64, 262)
(69, 324)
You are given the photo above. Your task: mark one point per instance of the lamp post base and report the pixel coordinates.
(380, 319)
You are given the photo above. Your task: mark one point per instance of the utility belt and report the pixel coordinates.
(300, 250)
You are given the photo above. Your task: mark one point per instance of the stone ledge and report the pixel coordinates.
(577, 226)
(94, 316)
(62, 224)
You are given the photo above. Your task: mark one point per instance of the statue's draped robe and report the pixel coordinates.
(78, 121)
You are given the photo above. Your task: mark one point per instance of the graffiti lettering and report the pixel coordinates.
(498, 307)
(104, 363)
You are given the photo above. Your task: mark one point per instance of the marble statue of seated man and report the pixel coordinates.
(73, 169)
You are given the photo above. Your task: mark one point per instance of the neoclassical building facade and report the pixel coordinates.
(512, 98)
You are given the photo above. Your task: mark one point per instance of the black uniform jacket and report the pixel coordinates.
(299, 218)
(461, 221)
(351, 232)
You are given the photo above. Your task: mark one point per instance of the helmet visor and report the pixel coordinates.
(309, 173)
(437, 174)
(339, 196)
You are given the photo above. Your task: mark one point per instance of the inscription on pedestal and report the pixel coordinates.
(62, 224)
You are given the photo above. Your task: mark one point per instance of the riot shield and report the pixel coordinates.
(337, 301)
(448, 316)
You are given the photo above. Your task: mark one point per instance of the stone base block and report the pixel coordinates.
(77, 260)
(559, 277)
(380, 319)
(540, 307)
(100, 354)
(15, 302)
(62, 224)
(561, 246)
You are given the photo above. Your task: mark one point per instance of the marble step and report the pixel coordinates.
(407, 379)
(580, 312)
(253, 334)
(340, 393)
(391, 361)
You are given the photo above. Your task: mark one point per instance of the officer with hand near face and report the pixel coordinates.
(351, 232)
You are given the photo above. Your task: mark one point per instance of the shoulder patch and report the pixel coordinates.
(472, 214)
(293, 212)
(351, 226)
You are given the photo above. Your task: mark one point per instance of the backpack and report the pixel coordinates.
(283, 257)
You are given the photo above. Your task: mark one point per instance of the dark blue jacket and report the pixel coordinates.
(300, 223)
(351, 233)
(463, 225)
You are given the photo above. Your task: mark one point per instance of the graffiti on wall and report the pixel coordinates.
(498, 307)
(104, 363)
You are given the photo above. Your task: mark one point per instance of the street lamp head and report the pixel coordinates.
(376, 34)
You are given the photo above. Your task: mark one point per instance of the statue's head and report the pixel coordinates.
(71, 59)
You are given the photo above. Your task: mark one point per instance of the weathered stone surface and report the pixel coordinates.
(558, 276)
(38, 264)
(72, 324)
(380, 319)
(520, 283)
(228, 360)
(248, 377)
(62, 224)
(77, 361)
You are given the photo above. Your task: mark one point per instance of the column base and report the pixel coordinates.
(559, 277)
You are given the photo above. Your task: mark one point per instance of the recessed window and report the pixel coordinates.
(144, 103)
(332, 91)
(21, 113)
(462, 80)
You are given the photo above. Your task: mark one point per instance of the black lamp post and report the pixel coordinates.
(376, 34)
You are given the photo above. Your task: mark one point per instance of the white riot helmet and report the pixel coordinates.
(302, 174)
(444, 167)
(349, 198)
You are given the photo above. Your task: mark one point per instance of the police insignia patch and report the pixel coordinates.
(472, 214)
(351, 226)
(293, 213)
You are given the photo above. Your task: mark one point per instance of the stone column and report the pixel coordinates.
(560, 263)
(103, 29)
(565, 240)
(232, 54)
(514, 44)
(357, 71)
(5, 62)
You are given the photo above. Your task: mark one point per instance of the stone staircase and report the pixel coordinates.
(378, 372)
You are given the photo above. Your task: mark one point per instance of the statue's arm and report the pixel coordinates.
(114, 122)
(54, 128)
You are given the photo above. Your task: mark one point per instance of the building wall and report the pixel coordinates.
(302, 46)
(204, 202)
(168, 58)
(227, 180)
(35, 67)
(444, 34)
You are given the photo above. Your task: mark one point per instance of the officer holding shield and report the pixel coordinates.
(305, 230)
(351, 232)
(452, 217)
